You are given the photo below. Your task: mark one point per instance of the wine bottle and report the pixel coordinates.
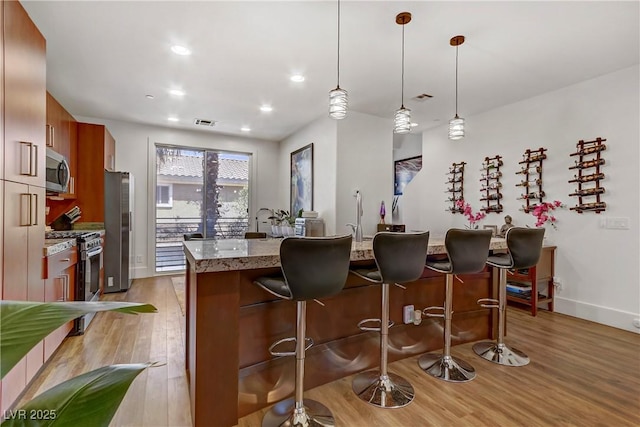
(588, 178)
(492, 165)
(534, 181)
(453, 180)
(454, 199)
(453, 190)
(590, 206)
(588, 164)
(531, 170)
(588, 191)
(534, 157)
(590, 150)
(491, 186)
(493, 208)
(492, 196)
(457, 169)
(492, 175)
(530, 196)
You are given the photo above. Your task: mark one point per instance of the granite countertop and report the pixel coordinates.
(240, 254)
(53, 246)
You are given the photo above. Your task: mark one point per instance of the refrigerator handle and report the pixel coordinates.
(130, 221)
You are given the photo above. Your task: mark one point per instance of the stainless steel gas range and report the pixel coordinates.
(87, 286)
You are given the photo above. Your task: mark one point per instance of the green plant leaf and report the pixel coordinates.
(23, 324)
(90, 399)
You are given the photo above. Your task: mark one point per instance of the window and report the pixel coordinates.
(164, 195)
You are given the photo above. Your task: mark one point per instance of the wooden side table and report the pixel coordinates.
(543, 272)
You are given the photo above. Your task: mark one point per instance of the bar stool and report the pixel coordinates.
(524, 248)
(312, 267)
(400, 258)
(467, 252)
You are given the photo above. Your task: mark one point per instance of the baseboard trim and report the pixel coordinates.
(596, 313)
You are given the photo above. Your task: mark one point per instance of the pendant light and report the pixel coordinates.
(338, 101)
(456, 125)
(402, 119)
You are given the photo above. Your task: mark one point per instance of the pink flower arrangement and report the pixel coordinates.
(465, 208)
(543, 214)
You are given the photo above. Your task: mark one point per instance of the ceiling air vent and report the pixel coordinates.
(423, 97)
(204, 122)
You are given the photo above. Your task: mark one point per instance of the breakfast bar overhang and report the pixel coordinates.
(231, 322)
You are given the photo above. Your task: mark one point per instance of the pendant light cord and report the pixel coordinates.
(456, 81)
(402, 91)
(338, 85)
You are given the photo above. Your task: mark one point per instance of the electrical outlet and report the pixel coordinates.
(636, 323)
(139, 259)
(407, 314)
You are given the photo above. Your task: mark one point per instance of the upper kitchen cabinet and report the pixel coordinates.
(25, 80)
(62, 137)
(96, 148)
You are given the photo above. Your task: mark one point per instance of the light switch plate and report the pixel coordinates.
(617, 223)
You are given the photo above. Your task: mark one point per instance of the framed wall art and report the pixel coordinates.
(302, 179)
(404, 171)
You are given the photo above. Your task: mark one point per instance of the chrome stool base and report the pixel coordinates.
(284, 414)
(500, 354)
(389, 391)
(446, 368)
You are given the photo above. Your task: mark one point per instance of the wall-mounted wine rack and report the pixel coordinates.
(589, 176)
(491, 185)
(455, 186)
(531, 169)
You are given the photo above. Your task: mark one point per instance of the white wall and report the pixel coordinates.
(407, 145)
(135, 147)
(322, 132)
(598, 267)
(365, 163)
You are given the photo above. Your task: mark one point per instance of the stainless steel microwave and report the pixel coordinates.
(57, 172)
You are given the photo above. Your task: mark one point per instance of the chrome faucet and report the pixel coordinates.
(357, 227)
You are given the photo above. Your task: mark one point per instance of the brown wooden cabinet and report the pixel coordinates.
(540, 278)
(24, 88)
(22, 165)
(60, 275)
(96, 148)
(62, 137)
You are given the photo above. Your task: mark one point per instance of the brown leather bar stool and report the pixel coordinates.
(400, 258)
(524, 248)
(312, 267)
(467, 252)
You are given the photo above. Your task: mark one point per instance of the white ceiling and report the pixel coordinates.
(104, 57)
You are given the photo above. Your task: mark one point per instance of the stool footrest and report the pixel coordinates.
(362, 327)
(428, 311)
(488, 303)
(308, 345)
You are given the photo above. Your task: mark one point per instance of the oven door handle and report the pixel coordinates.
(94, 252)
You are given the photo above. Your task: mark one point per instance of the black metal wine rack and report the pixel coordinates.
(589, 176)
(455, 186)
(531, 183)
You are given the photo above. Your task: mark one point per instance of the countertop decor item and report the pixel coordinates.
(383, 212)
(543, 214)
(466, 210)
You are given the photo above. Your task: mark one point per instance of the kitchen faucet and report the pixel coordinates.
(357, 227)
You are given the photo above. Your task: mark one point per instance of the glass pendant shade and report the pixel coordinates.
(402, 121)
(456, 128)
(338, 103)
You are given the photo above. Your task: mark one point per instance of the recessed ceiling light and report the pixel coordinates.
(297, 78)
(149, 96)
(266, 108)
(245, 129)
(180, 50)
(176, 92)
(173, 119)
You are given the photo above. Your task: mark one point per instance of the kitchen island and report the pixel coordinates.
(231, 322)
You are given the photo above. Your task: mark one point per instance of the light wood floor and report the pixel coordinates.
(581, 374)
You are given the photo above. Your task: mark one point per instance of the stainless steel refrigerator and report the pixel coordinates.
(118, 222)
